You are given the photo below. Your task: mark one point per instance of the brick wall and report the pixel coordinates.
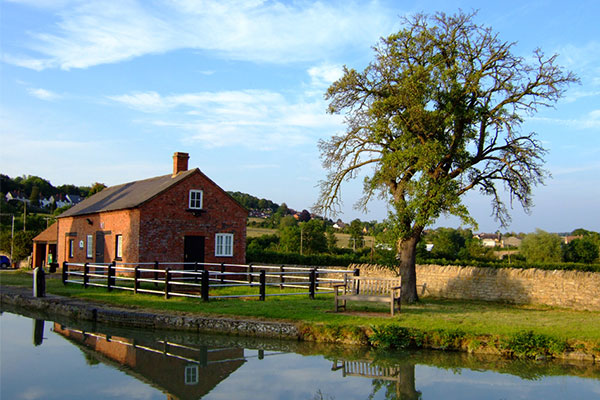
(572, 289)
(165, 221)
(111, 223)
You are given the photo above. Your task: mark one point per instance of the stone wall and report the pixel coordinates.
(572, 289)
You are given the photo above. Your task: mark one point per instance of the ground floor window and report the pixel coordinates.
(90, 247)
(118, 247)
(71, 248)
(224, 245)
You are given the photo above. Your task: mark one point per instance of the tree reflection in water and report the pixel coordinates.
(190, 365)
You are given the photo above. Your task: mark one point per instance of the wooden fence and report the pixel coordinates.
(196, 279)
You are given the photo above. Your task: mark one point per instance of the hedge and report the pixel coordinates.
(343, 260)
(274, 257)
(566, 266)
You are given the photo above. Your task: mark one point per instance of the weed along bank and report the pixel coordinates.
(180, 217)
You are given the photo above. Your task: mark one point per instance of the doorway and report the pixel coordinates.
(99, 247)
(193, 250)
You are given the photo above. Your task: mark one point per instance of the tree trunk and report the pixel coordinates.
(407, 252)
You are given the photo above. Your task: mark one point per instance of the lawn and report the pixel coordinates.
(470, 317)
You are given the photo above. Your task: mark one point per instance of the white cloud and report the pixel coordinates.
(589, 121)
(43, 94)
(256, 119)
(92, 33)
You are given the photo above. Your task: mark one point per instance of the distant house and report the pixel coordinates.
(568, 239)
(339, 224)
(490, 239)
(511, 241)
(180, 217)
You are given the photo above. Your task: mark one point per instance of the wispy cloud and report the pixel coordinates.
(99, 32)
(43, 94)
(590, 121)
(257, 119)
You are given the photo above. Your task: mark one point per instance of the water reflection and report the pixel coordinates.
(171, 367)
(124, 363)
(38, 332)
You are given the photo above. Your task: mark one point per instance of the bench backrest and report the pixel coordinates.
(372, 286)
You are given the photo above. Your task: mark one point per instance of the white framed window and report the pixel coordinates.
(224, 245)
(119, 246)
(191, 374)
(90, 247)
(71, 248)
(195, 202)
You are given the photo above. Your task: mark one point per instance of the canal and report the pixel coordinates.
(42, 359)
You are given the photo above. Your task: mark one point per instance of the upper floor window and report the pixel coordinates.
(191, 374)
(224, 245)
(195, 202)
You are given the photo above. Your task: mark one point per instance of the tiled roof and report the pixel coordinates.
(127, 195)
(50, 234)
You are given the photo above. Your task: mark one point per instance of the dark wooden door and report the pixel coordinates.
(99, 247)
(193, 250)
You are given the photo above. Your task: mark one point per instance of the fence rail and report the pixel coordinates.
(197, 279)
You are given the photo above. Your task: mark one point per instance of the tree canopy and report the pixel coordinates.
(436, 114)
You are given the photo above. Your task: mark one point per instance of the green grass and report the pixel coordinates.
(471, 317)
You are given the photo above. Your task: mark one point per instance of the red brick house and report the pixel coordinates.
(183, 216)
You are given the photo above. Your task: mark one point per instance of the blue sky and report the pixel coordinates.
(108, 90)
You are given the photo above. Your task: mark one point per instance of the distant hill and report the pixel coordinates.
(254, 203)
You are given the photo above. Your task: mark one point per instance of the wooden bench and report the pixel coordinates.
(362, 288)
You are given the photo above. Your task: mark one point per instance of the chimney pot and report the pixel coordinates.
(180, 162)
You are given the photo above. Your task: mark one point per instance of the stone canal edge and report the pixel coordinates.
(101, 313)
(54, 306)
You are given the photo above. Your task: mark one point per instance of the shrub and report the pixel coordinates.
(395, 337)
(527, 344)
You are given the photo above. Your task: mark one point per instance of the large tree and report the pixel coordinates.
(436, 114)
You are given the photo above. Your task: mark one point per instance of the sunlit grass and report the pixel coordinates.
(472, 317)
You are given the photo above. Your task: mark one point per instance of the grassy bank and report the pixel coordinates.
(486, 327)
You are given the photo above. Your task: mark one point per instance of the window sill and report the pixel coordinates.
(196, 211)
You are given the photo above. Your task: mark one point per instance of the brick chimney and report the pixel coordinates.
(180, 162)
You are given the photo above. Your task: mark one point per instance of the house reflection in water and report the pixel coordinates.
(180, 371)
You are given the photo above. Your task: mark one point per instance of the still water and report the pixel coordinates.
(41, 359)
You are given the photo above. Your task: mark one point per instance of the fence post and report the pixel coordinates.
(65, 272)
(112, 270)
(204, 289)
(136, 276)
(281, 278)
(357, 273)
(156, 273)
(39, 282)
(263, 281)
(86, 270)
(313, 276)
(250, 271)
(222, 273)
(167, 273)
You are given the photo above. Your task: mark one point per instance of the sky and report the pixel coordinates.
(107, 91)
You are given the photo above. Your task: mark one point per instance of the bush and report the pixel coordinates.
(274, 257)
(395, 337)
(527, 344)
